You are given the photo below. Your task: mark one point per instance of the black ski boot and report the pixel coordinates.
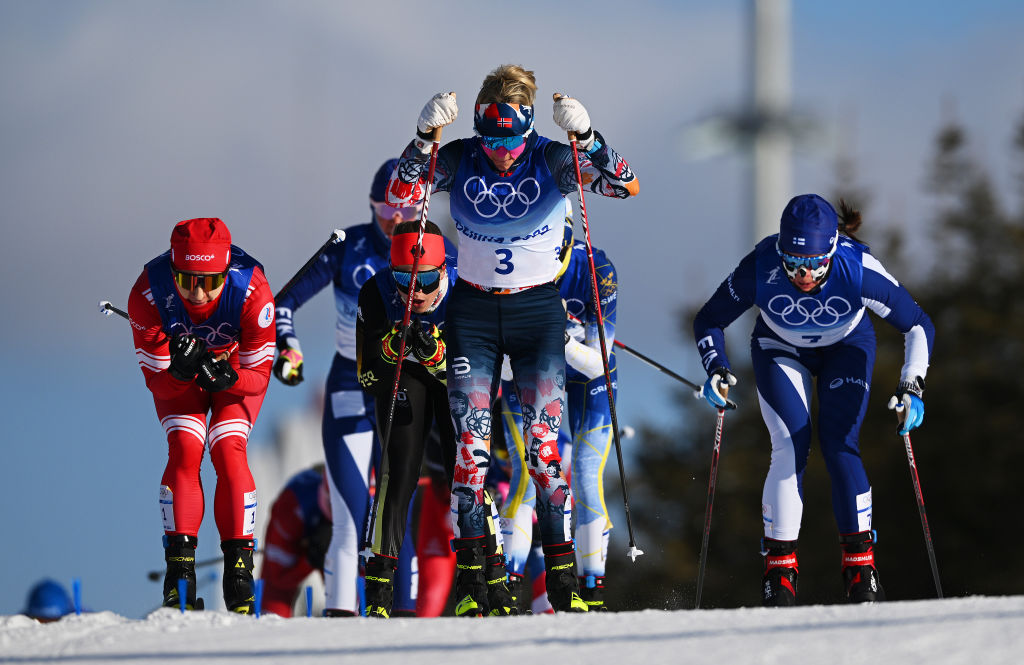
(180, 556)
(499, 598)
(520, 592)
(778, 586)
(560, 579)
(380, 580)
(592, 593)
(470, 582)
(860, 578)
(238, 584)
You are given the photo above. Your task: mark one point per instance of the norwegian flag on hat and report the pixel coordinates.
(498, 119)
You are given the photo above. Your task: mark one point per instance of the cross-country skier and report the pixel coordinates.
(202, 317)
(350, 447)
(585, 436)
(506, 189)
(812, 286)
(421, 400)
(298, 534)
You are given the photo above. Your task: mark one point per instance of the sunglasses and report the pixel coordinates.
(427, 281)
(509, 143)
(387, 212)
(188, 281)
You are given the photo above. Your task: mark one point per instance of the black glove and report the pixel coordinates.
(187, 352)
(390, 342)
(318, 542)
(215, 375)
(427, 345)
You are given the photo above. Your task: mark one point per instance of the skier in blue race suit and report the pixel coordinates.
(507, 187)
(812, 286)
(586, 434)
(351, 448)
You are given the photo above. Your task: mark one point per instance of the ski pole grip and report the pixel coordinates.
(572, 135)
(436, 132)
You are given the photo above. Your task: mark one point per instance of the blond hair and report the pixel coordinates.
(508, 84)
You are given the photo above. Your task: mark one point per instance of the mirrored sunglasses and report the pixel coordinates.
(188, 281)
(387, 212)
(427, 281)
(509, 143)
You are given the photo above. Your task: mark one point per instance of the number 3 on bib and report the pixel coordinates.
(504, 263)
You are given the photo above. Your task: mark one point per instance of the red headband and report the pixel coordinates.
(403, 247)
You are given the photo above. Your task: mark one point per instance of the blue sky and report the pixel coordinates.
(120, 118)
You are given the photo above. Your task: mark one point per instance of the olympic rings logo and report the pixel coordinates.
(223, 334)
(501, 197)
(799, 312)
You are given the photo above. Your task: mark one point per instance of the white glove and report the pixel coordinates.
(574, 327)
(441, 110)
(570, 116)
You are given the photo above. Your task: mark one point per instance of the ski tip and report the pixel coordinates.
(634, 552)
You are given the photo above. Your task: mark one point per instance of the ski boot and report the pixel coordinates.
(778, 586)
(592, 593)
(860, 578)
(380, 579)
(238, 584)
(180, 556)
(499, 598)
(517, 588)
(560, 579)
(470, 582)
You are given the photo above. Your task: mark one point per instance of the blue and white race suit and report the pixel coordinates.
(351, 447)
(801, 336)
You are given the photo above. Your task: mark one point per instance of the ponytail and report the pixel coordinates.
(849, 220)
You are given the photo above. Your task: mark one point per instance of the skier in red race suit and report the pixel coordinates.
(298, 534)
(202, 316)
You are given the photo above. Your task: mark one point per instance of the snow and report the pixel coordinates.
(982, 630)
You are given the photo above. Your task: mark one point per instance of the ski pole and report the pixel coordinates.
(901, 415)
(107, 309)
(712, 481)
(337, 236)
(666, 370)
(633, 551)
(406, 318)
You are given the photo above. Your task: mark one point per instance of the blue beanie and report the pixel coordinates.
(48, 600)
(380, 181)
(809, 226)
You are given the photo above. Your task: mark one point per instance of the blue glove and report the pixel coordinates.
(716, 388)
(908, 403)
